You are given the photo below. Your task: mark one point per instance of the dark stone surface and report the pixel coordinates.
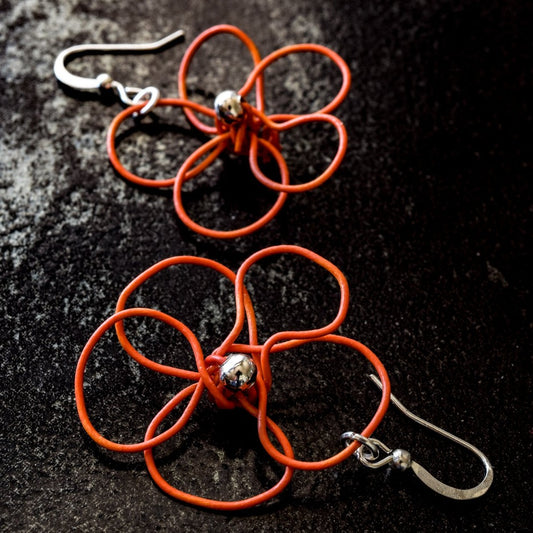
(428, 217)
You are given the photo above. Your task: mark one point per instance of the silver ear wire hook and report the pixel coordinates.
(368, 455)
(105, 81)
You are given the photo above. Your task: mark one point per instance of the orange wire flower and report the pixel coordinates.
(240, 128)
(209, 374)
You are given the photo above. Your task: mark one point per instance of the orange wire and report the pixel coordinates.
(347, 451)
(82, 363)
(227, 234)
(220, 399)
(315, 117)
(255, 131)
(296, 49)
(186, 62)
(134, 178)
(254, 400)
(295, 250)
(207, 502)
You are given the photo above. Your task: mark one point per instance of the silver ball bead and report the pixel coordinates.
(401, 459)
(104, 81)
(238, 372)
(228, 107)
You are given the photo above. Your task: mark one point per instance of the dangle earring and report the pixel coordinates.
(238, 375)
(236, 126)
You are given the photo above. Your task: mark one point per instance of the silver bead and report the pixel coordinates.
(401, 459)
(228, 107)
(104, 81)
(238, 372)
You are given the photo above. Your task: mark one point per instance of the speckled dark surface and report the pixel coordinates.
(428, 217)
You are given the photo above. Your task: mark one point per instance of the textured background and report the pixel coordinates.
(427, 217)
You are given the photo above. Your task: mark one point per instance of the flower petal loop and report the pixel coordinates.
(148, 182)
(82, 363)
(296, 49)
(226, 234)
(345, 452)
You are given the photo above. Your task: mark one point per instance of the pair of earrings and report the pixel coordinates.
(238, 375)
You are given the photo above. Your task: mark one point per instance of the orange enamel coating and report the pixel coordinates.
(348, 450)
(297, 49)
(227, 234)
(186, 63)
(147, 182)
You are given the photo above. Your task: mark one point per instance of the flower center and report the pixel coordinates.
(238, 372)
(228, 107)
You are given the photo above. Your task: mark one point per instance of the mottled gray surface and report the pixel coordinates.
(427, 217)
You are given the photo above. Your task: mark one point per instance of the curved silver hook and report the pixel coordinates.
(89, 84)
(368, 452)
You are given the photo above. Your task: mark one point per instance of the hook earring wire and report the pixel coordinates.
(104, 80)
(401, 459)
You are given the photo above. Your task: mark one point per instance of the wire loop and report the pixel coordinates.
(205, 376)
